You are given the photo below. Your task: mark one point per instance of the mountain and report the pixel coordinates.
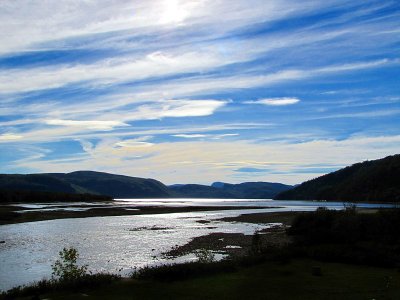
(116, 186)
(8, 196)
(198, 191)
(375, 180)
(246, 190)
(119, 186)
(253, 190)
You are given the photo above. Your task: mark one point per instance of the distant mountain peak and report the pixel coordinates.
(218, 184)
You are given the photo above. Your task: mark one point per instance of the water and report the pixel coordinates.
(119, 243)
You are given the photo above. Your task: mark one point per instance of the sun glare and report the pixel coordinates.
(174, 12)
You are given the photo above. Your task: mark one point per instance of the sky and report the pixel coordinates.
(197, 91)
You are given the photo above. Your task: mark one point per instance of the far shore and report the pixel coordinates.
(9, 213)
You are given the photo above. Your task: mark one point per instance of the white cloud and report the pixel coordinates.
(110, 71)
(367, 114)
(190, 136)
(86, 146)
(275, 101)
(165, 58)
(78, 133)
(93, 125)
(36, 25)
(10, 137)
(177, 109)
(134, 143)
(207, 161)
(211, 136)
(221, 136)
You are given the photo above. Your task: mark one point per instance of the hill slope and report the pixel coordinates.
(119, 186)
(116, 186)
(376, 180)
(246, 190)
(253, 190)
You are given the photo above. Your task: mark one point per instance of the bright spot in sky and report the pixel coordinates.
(174, 12)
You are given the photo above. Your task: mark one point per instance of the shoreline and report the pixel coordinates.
(10, 215)
(239, 244)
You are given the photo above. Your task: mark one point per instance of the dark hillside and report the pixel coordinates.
(117, 186)
(254, 190)
(199, 191)
(375, 180)
(35, 182)
(246, 190)
(86, 182)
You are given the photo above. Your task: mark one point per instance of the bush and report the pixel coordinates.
(67, 276)
(348, 236)
(204, 256)
(66, 268)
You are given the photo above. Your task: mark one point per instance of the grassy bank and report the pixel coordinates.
(265, 280)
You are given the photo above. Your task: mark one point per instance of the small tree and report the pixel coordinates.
(204, 256)
(66, 268)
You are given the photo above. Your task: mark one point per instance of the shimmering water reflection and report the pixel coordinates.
(119, 243)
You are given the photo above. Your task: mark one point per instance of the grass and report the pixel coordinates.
(267, 280)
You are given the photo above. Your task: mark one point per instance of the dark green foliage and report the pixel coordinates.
(376, 180)
(347, 226)
(348, 236)
(204, 256)
(197, 269)
(67, 275)
(66, 269)
(8, 196)
(184, 271)
(45, 286)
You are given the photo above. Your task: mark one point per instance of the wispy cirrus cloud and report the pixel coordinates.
(208, 136)
(281, 161)
(190, 136)
(275, 101)
(10, 137)
(162, 84)
(95, 125)
(69, 21)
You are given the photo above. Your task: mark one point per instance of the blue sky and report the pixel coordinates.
(198, 91)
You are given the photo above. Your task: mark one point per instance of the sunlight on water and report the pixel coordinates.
(119, 243)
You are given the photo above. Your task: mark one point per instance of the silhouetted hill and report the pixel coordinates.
(7, 196)
(35, 182)
(116, 186)
(376, 180)
(86, 182)
(246, 190)
(198, 191)
(119, 186)
(253, 190)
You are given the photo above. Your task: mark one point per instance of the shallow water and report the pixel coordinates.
(119, 243)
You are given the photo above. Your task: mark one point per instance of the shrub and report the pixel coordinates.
(66, 268)
(204, 256)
